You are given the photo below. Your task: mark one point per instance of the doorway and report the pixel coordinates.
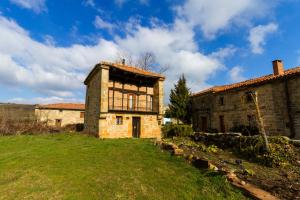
(136, 127)
(222, 124)
(203, 123)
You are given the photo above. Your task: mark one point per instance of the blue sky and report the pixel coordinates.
(48, 47)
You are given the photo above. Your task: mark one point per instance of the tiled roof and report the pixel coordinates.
(132, 69)
(250, 82)
(63, 106)
(127, 68)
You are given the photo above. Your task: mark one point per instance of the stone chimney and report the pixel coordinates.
(277, 67)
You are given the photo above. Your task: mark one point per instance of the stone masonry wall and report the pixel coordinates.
(236, 111)
(66, 116)
(92, 105)
(110, 129)
(294, 90)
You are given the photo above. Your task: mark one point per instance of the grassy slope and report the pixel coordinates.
(80, 167)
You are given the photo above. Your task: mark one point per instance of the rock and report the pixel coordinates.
(178, 152)
(201, 163)
(213, 167)
(243, 182)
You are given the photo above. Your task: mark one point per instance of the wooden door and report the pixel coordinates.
(136, 127)
(203, 123)
(222, 124)
(58, 123)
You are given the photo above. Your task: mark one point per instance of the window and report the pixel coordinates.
(131, 102)
(151, 103)
(249, 98)
(119, 120)
(221, 101)
(81, 114)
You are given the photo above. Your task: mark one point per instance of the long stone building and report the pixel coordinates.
(123, 101)
(228, 106)
(60, 114)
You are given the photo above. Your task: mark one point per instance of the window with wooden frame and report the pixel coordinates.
(81, 114)
(119, 120)
(131, 101)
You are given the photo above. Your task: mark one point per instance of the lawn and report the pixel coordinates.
(72, 166)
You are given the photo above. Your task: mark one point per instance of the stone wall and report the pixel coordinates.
(110, 129)
(66, 116)
(92, 105)
(101, 121)
(294, 91)
(238, 111)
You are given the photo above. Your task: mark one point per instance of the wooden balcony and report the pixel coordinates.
(132, 104)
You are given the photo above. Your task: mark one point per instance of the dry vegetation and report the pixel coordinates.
(16, 119)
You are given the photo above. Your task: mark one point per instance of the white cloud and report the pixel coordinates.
(43, 100)
(49, 70)
(60, 71)
(258, 34)
(213, 16)
(236, 74)
(99, 23)
(223, 53)
(89, 3)
(37, 6)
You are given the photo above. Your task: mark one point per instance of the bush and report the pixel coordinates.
(177, 130)
(245, 130)
(281, 152)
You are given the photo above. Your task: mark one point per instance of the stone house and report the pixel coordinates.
(61, 114)
(228, 106)
(123, 102)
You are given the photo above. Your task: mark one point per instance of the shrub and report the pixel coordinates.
(280, 154)
(245, 130)
(177, 130)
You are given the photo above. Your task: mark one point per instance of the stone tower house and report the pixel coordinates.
(123, 102)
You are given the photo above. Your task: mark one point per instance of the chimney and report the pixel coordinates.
(123, 61)
(277, 67)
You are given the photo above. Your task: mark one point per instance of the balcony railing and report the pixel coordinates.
(132, 105)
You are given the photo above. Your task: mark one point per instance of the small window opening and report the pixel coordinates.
(81, 114)
(119, 120)
(221, 101)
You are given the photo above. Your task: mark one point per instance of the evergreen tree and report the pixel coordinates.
(180, 102)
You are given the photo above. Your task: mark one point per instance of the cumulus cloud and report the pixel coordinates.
(60, 71)
(46, 68)
(216, 15)
(258, 35)
(43, 100)
(236, 74)
(99, 23)
(37, 6)
(89, 3)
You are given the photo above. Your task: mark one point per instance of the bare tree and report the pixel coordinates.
(146, 61)
(254, 98)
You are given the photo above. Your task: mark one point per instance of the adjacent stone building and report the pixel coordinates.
(123, 102)
(228, 106)
(61, 114)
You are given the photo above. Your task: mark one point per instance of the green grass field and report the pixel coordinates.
(71, 166)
